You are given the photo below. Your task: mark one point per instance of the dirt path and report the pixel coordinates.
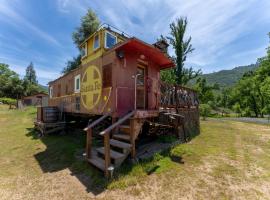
(248, 119)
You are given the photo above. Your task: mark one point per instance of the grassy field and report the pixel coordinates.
(228, 160)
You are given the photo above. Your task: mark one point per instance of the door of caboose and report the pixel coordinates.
(141, 98)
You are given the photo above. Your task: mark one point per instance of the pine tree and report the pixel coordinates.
(182, 48)
(89, 24)
(30, 74)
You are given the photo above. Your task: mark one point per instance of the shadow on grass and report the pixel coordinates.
(66, 152)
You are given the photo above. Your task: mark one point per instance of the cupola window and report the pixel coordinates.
(110, 40)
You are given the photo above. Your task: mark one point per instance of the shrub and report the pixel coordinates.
(8, 101)
(205, 110)
(237, 108)
(247, 112)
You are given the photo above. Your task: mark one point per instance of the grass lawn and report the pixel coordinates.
(228, 160)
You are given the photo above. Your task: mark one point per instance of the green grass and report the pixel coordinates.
(225, 155)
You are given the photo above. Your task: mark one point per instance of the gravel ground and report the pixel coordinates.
(249, 119)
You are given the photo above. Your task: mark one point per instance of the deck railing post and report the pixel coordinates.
(132, 140)
(107, 153)
(89, 143)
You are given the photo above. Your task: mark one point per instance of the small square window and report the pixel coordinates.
(110, 40)
(77, 83)
(96, 42)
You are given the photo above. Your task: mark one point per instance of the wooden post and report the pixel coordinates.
(132, 137)
(88, 143)
(107, 153)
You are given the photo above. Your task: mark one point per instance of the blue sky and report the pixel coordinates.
(225, 33)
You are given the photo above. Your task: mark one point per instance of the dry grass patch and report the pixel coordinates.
(228, 160)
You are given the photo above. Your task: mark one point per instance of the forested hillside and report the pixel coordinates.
(227, 78)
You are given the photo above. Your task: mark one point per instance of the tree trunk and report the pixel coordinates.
(262, 102)
(254, 106)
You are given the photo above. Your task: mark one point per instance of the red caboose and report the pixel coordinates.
(120, 78)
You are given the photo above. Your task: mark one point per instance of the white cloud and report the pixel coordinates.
(216, 24)
(66, 6)
(43, 72)
(12, 16)
(213, 25)
(63, 5)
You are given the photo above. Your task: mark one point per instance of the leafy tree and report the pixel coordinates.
(30, 74)
(72, 64)
(237, 108)
(89, 24)
(205, 110)
(261, 78)
(247, 94)
(205, 91)
(182, 48)
(14, 87)
(252, 91)
(11, 84)
(168, 76)
(223, 100)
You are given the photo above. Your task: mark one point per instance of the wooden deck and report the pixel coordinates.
(49, 127)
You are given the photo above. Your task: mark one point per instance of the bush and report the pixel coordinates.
(205, 110)
(8, 101)
(237, 108)
(247, 112)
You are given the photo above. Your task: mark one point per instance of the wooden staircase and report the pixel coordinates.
(119, 142)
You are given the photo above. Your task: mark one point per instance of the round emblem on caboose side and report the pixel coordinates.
(91, 87)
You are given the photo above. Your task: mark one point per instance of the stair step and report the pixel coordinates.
(97, 162)
(119, 144)
(121, 137)
(114, 154)
(125, 128)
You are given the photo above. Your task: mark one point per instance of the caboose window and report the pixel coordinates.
(96, 42)
(77, 84)
(51, 92)
(110, 40)
(84, 50)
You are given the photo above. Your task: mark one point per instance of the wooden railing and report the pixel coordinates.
(106, 135)
(177, 96)
(89, 130)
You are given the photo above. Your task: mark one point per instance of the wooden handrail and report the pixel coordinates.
(94, 123)
(174, 114)
(89, 131)
(178, 86)
(106, 135)
(118, 123)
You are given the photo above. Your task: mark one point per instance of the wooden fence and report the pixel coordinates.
(175, 96)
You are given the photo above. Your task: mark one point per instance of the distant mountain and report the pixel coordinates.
(43, 88)
(227, 78)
